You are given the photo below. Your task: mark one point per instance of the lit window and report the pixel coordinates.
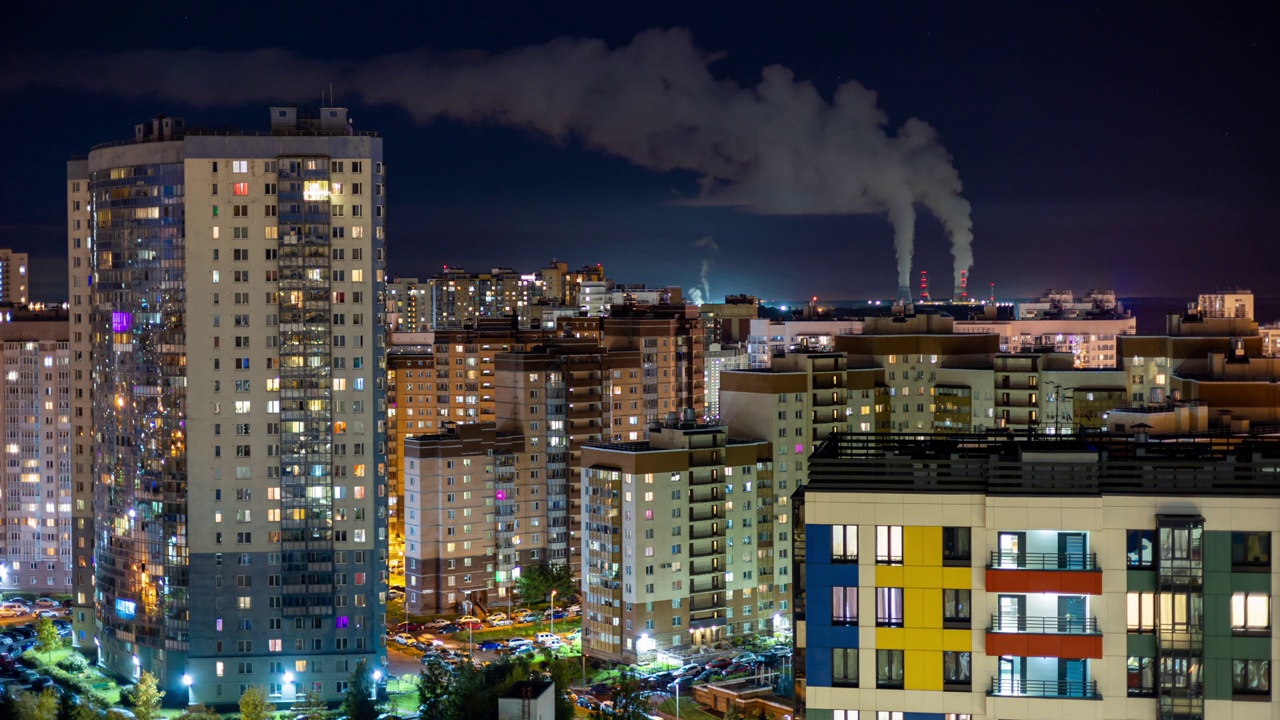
(1250, 612)
(1141, 611)
(844, 543)
(240, 188)
(889, 610)
(888, 544)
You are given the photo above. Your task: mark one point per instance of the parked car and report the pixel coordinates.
(472, 625)
(437, 623)
(504, 622)
(600, 688)
(393, 594)
(405, 639)
(496, 616)
(575, 609)
(520, 611)
(746, 657)
(518, 642)
(559, 614)
(409, 627)
(13, 609)
(588, 702)
(708, 676)
(466, 619)
(48, 613)
(45, 603)
(573, 636)
(682, 683)
(524, 650)
(446, 629)
(718, 664)
(490, 645)
(42, 682)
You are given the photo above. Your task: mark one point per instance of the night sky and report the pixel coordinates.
(1124, 145)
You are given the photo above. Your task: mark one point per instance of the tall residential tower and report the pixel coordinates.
(230, 442)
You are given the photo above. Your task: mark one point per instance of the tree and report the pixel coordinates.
(68, 709)
(359, 703)
(254, 705)
(312, 705)
(146, 697)
(563, 673)
(537, 582)
(8, 703)
(628, 701)
(47, 639)
(433, 690)
(38, 706)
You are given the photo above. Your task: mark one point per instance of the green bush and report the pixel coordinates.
(74, 663)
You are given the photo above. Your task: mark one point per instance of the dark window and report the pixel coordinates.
(957, 670)
(955, 546)
(844, 667)
(956, 608)
(1142, 681)
(1140, 553)
(1251, 677)
(844, 605)
(1250, 550)
(889, 669)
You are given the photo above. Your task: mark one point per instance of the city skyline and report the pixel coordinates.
(1128, 172)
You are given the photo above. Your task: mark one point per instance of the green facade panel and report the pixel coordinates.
(1142, 580)
(1251, 582)
(1142, 645)
(1217, 679)
(1217, 551)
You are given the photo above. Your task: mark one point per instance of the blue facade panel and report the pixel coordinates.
(820, 634)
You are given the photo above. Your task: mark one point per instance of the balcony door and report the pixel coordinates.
(1013, 613)
(1071, 613)
(1012, 677)
(1071, 677)
(1013, 549)
(1071, 549)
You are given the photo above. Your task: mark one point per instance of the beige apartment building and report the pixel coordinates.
(36, 516)
(474, 512)
(15, 280)
(677, 545)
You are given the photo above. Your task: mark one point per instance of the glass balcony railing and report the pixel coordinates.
(1016, 687)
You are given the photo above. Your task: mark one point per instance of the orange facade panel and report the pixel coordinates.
(1066, 582)
(1073, 647)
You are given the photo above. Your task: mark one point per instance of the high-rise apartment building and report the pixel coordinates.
(1112, 577)
(471, 501)
(14, 277)
(35, 517)
(677, 543)
(230, 440)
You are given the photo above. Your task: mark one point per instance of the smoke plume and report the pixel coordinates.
(774, 148)
(702, 294)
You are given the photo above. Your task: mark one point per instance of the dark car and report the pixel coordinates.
(560, 614)
(709, 675)
(680, 684)
(450, 628)
(588, 702)
(490, 645)
(42, 682)
(600, 688)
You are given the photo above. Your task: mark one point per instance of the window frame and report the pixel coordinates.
(850, 656)
(844, 596)
(890, 536)
(961, 546)
(1251, 670)
(1245, 626)
(840, 536)
(887, 662)
(893, 597)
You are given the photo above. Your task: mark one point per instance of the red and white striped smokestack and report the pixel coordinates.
(924, 286)
(964, 284)
(993, 293)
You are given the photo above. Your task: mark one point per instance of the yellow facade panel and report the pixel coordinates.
(912, 548)
(913, 607)
(957, 640)
(957, 577)
(889, 576)
(931, 542)
(891, 638)
(922, 577)
(922, 670)
(931, 608)
(924, 639)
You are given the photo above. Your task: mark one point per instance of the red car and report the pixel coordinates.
(719, 664)
(410, 627)
(473, 626)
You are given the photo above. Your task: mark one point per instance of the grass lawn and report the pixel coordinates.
(689, 710)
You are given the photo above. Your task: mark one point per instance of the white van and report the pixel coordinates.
(13, 609)
(545, 638)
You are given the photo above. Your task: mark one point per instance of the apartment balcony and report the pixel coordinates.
(704, 533)
(706, 496)
(703, 477)
(704, 552)
(827, 399)
(714, 584)
(707, 602)
(705, 568)
(1061, 689)
(1073, 638)
(1070, 573)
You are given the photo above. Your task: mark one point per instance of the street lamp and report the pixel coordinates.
(553, 612)
(471, 638)
(377, 675)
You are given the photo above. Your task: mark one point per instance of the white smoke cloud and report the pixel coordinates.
(699, 295)
(775, 148)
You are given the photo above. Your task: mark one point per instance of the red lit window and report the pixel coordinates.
(240, 188)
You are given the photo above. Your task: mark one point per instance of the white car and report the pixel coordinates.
(496, 616)
(405, 639)
(575, 609)
(502, 622)
(438, 623)
(466, 619)
(514, 643)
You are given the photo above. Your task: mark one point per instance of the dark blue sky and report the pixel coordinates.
(1122, 146)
